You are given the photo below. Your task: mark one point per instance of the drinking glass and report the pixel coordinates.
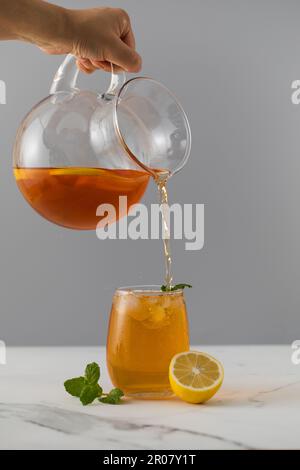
(147, 328)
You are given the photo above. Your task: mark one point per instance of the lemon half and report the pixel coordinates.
(195, 376)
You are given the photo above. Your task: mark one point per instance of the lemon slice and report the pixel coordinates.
(195, 376)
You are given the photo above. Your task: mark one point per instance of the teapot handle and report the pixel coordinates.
(66, 77)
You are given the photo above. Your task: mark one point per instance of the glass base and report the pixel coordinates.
(155, 395)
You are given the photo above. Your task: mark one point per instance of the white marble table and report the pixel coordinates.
(258, 406)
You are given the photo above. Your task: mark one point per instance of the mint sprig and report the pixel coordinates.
(87, 388)
(176, 287)
(113, 397)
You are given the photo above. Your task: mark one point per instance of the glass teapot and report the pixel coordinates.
(77, 149)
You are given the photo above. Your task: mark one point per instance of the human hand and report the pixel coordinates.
(97, 37)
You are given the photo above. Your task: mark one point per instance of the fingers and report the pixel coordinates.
(105, 65)
(90, 65)
(85, 66)
(114, 43)
(120, 55)
(124, 56)
(129, 39)
(101, 64)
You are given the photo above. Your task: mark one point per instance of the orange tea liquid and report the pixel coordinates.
(70, 196)
(146, 329)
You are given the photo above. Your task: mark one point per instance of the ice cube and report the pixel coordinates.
(136, 307)
(158, 318)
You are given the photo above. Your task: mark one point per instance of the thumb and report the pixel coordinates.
(124, 56)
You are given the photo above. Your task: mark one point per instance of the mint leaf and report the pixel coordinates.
(181, 286)
(92, 373)
(113, 397)
(89, 393)
(176, 287)
(74, 386)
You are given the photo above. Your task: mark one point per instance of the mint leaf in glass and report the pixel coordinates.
(173, 288)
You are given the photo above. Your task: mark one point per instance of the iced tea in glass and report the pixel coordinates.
(147, 327)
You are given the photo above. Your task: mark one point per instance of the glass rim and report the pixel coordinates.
(148, 289)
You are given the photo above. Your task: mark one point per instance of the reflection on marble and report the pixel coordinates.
(257, 407)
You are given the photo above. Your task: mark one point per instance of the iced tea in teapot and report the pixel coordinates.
(70, 196)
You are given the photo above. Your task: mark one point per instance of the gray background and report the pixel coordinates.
(231, 63)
